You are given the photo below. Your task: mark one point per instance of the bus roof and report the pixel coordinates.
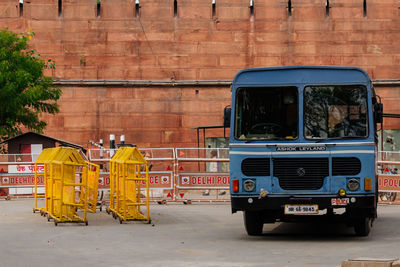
(291, 75)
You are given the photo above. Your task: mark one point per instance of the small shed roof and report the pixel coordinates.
(61, 142)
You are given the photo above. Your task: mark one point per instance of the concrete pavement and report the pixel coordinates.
(186, 235)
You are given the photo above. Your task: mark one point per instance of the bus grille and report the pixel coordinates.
(346, 166)
(301, 173)
(256, 167)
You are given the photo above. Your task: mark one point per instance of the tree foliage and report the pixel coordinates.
(25, 92)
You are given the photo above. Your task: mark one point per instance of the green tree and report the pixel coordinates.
(25, 92)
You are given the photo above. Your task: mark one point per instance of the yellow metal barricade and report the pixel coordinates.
(70, 184)
(129, 173)
(44, 158)
(92, 186)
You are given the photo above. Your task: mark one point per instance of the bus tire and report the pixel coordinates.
(363, 226)
(253, 222)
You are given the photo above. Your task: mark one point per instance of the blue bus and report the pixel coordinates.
(303, 146)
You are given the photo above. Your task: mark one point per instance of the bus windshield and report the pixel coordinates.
(266, 113)
(335, 111)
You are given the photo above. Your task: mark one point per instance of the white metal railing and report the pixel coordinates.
(159, 154)
(18, 158)
(104, 154)
(202, 154)
(177, 166)
(389, 156)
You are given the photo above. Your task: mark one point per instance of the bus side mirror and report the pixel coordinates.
(378, 112)
(227, 116)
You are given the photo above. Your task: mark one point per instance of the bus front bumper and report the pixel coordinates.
(278, 202)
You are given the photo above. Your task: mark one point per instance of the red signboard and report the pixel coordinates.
(389, 183)
(157, 180)
(204, 180)
(20, 179)
(163, 180)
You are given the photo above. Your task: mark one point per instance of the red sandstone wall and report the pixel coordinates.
(192, 46)
(390, 98)
(148, 117)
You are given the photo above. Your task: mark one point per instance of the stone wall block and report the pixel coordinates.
(79, 11)
(44, 11)
(120, 10)
(9, 9)
(194, 12)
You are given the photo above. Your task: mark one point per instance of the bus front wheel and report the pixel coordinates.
(363, 226)
(253, 222)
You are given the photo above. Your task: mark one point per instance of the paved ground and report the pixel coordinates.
(186, 235)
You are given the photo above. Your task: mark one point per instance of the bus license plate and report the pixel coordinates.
(301, 209)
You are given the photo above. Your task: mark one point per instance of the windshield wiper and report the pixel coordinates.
(340, 138)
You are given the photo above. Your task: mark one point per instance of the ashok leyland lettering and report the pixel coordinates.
(302, 145)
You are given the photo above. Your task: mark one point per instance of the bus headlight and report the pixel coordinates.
(353, 184)
(249, 185)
